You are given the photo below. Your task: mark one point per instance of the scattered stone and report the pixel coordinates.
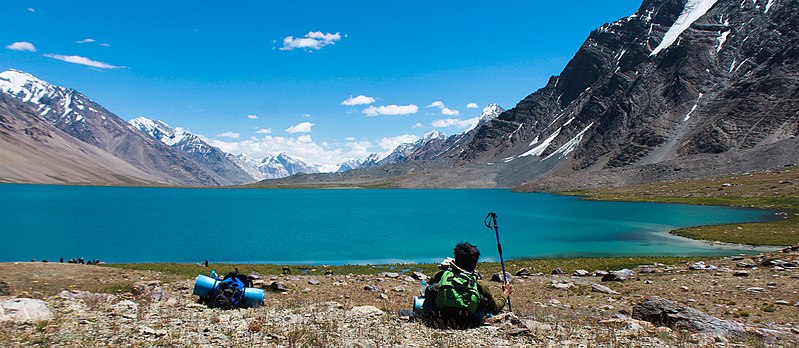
(523, 273)
(21, 310)
(603, 289)
(149, 290)
(628, 324)
(557, 271)
(84, 295)
(4, 289)
(278, 286)
(497, 277)
(313, 281)
(399, 289)
(364, 312)
(581, 273)
(782, 302)
(600, 273)
(737, 257)
(618, 276)
(409, 279)
(562, 284)
(741, 274)
(383, 296)
(663, 312)
(329, 272)
(684, 288)
(700, 266)
(418, 276)
(755, 289)
(745, 265)
(646, 270)
(146, 330)
(648, 281)
(392, 275)
(374, 288)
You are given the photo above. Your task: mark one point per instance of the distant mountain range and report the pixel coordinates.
(143, 151)
(680, 88)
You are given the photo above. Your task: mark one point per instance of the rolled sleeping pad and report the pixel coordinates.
(204, 285)
(253, 297)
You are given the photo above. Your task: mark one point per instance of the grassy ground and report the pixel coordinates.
(776, 190)
(534, 266)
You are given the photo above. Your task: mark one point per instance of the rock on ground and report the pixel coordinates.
(663, 312)
(24, 310)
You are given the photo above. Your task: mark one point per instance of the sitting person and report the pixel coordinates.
(456, 299)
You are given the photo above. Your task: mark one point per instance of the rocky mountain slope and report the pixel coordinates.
(34, 151)
(88, 122)
(675, 79)
(283, 165)
(219, 162)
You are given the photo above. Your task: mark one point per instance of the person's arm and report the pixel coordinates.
(495, 305)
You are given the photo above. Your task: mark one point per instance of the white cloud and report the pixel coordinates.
(22, 46)
(264, 131)
(231, 135)
(349, 138)
(417, 125)
(444, 109)
(305, 115)
(455, 122)
(359, 100)
(314, 40)
(252, 117)
(105, 45)
(391, 110)
(305, 138)
(472, 106)
(391, 143)
(450, 112)
(303, 127)
(436, 104)
(86, 41)
(83, 61)
(31, 10)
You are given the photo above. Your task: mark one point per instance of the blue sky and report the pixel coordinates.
(264, 77)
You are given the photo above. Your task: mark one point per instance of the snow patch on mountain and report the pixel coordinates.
(569, 146)
(693, 10)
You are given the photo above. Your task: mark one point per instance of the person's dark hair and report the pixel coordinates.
(466, 256)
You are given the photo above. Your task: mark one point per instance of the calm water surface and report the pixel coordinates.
(119, 224)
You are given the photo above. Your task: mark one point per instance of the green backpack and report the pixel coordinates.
(458, 290)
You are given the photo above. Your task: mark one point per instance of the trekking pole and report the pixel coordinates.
(491, 222)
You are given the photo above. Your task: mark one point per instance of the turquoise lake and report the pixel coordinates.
(291, 226)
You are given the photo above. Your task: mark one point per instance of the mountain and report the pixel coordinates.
(34, 151)
(222, 164)
(248, 165)
(427, 146)
(83, 119)
(678, 78)
(282, 165)
(432, 145)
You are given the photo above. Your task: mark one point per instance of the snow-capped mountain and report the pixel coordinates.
(408, 151)
(248, 164)
(212, 157)
(89, 122)
(282, 165)
(490, 112)
(675, 79)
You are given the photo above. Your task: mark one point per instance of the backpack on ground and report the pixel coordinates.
(228, 295)
(458, 291)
